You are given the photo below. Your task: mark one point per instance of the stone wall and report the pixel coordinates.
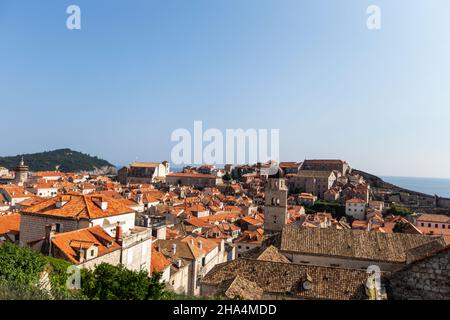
(112, 258)
(32, 227)
(428, 279)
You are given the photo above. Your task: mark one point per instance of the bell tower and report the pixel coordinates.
(21, 175)
(275, 208)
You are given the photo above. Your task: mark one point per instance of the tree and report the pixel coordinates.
(400, 227)
(398, 211)
(21, 270)
(108, 282)
(21, 265)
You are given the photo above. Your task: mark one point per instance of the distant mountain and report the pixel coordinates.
(64, 160)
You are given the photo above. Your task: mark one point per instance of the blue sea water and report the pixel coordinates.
(432, 186)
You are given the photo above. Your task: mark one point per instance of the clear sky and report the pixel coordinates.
(137, 70)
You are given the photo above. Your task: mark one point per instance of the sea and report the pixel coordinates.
(431, 186)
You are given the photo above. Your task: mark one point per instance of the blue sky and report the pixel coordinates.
(137, 70)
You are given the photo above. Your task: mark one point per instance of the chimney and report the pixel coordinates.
(104, 205)
(192, 241)
(119, 236)
(80, 255)
(139, 197)
(179, 263)
(174, 249)
(200, 244)
(50, 231)
(62, 201)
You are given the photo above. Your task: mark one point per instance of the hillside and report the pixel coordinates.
(64, 160)
(377, 182)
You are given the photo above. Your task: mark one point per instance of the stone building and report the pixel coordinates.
(21, 173)
(143, 172)
(354, 249)
(72, 212)
(85, 248)
(356, 208)
(197, 180)
(314, 182)
(192, 258)
(273, 280)
(327, 165)
(290, 167)
(275, 208)
(89, 247)
(425, 279)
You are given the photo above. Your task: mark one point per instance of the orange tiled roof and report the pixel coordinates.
(67, 242)
(16, 191)
(251, 220)
(145, 164)
(77, 206)
(191, 175)
(158, 260)
(439, 218)
(356, 200)
(10, 223)
(32, 201)
(207, 244)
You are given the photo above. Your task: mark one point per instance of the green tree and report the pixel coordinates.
(108, 282)
(398, 211)
(21, 265)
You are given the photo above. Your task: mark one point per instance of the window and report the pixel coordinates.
(247, 248)
(429, 225)
(435, 225)
(423, 224)
(203, 261)
(443, 226)
(58, 227)
(239, 247)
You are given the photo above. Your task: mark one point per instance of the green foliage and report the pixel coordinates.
(21, 270)
(398, 211)
(335, 208)
(58, 273)
(109, 282)
(11, 290)
(400, 227)
(67, 160)
(156, 288)
(21, 265)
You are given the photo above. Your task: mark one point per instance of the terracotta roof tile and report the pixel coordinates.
(75, 206)
(67, 242)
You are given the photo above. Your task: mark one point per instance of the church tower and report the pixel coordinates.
(21, 175)
(275, 208)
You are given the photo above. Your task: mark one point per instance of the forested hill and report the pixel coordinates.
(64, 160)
